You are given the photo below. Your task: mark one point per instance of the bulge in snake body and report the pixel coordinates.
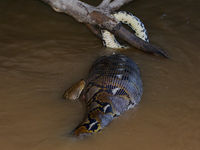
(112, 87)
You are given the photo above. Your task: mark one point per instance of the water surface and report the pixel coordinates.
(42, 53)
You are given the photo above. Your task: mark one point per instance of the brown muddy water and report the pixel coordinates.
(42, 53)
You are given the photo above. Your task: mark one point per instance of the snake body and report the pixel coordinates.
(112, 87)
(132, 21)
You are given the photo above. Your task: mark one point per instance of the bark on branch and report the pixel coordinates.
(101, 17)
(116, 4)
(139, 43)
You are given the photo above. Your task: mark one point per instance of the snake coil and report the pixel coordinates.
(132, 21)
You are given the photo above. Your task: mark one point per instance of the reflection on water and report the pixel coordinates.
(42, 53)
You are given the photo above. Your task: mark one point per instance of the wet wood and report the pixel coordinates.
(133, 40)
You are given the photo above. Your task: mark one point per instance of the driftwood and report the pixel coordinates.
(97, 18)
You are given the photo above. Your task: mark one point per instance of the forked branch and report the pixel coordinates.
(102, 18)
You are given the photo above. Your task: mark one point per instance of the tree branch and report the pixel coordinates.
(75, 8)
(101, 18)
(94, 30)
(116, 4)
(133, 40)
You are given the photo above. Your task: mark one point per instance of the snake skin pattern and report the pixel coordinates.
(113, 86)
(133, 22)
